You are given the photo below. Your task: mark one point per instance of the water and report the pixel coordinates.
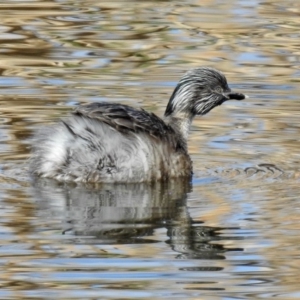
(233, 233)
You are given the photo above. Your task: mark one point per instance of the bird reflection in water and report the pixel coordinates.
(127, 214)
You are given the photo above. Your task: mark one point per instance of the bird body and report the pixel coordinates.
(107, 142)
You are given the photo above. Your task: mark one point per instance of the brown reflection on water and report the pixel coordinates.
(56, 54)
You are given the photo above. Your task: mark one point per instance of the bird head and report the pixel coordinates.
(199, 91)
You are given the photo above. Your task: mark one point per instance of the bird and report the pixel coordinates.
(110, 143)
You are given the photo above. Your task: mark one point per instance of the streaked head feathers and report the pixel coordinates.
(200, 90)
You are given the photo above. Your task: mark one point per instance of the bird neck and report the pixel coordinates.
(181, 123)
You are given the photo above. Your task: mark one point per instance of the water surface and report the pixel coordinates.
(233, 232)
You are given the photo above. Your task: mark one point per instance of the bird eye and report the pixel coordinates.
(218, 90)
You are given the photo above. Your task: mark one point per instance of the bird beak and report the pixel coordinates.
(235, 96)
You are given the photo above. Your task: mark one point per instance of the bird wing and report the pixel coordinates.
(125, 118)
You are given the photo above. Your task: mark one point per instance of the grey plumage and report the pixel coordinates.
(106, 142)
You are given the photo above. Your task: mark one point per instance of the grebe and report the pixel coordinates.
(108, 142)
